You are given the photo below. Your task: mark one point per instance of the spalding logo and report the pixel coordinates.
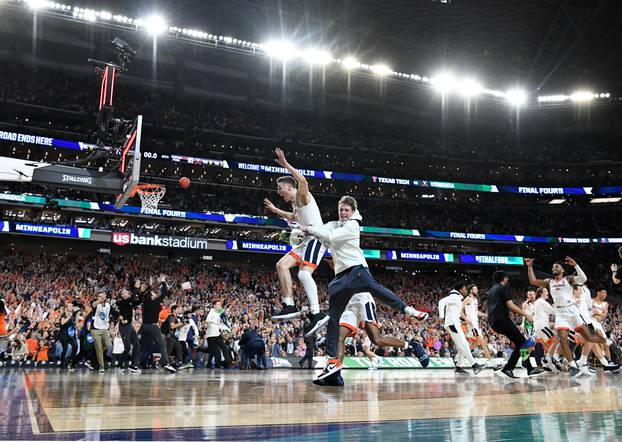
(121, 238)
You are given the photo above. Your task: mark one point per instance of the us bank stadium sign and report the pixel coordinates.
(177, 242)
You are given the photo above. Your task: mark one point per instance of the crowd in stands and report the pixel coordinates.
(330, 142)
(37, 287)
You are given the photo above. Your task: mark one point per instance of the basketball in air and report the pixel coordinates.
(184, 182)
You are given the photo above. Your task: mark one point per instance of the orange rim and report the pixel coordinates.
(148, 189)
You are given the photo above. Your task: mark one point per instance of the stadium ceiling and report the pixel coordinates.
(550, 46)
(557, 50)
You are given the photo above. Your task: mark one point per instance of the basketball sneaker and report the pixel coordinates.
(507, 374)
(332, 366)
(170, 368)
(477, 368)
(460, 370)
(420, 353)
(287, 312)
(585, 369)
(414, 313)
(573, 372)
(318, 321)
(535, 372)
(334, 380)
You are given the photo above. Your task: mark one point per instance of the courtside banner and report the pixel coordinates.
(491, 259)
(177, 242)
(387, 363)
(48, 230)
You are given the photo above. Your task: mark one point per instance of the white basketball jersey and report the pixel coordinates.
(561, 291)
(598, 307)
(308, 215)
(584, 304)
(471, 311)
(541, 313)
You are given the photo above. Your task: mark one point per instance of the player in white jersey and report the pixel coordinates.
(470, 306)
(598, 309)
(450, 309)
(360, 313)
(307, 252)
(567, 315)
(546, 342)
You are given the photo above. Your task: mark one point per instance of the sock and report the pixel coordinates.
(406, 345)
(307, 281)
(288, 301)
(603, 360)
(583, 360)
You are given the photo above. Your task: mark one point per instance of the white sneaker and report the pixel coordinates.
(170, 368)
(585, 369)
(376, 363)
(414, 313)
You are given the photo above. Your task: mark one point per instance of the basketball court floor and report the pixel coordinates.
(282, 404)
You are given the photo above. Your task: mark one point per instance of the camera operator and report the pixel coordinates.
(251, 346)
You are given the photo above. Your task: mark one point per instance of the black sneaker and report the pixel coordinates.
(318, 322)
(612, 367)
(573, 372)
(460, 370)
(330, 369)
(135, 370)
(535, 372)
(508, 374)
(334, 380)
(287, 312)
(420, 353)
(477, 368)
(170, 368)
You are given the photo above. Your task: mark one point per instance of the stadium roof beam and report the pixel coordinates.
(566, 30)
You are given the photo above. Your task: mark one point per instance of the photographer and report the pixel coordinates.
(251, 346)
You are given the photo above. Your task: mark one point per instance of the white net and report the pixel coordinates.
(150, 195)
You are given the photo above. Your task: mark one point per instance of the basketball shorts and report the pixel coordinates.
(568, 318)
(360, 309)
(309, 252)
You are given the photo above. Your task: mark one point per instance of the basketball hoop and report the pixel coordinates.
(150, 195)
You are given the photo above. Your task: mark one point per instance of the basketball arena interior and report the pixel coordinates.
(327, 220)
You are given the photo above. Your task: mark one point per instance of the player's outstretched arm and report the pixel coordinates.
(303, 185)
(273, 209)
(532, 276)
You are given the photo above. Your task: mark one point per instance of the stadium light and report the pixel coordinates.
(470, 87)
(37, 4)
(443, 82)
(154, 24)
(350, 63)
(280, 49)
(516, 97)
(605, 200)
(557, 201)
(317, 57)
(583, 96)
(380, 69)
